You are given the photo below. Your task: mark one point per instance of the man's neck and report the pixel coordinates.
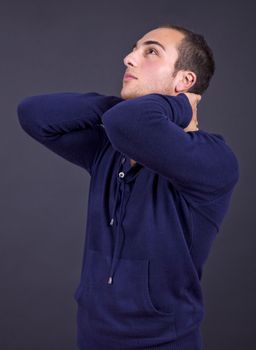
(132, 162)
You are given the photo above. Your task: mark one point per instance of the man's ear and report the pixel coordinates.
(185, 80)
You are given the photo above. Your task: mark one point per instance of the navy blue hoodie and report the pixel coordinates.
(150, 226)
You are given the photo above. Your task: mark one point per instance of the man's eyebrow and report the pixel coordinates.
(149, 42)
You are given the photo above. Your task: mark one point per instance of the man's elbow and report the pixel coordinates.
(27, 117)
(24, 110)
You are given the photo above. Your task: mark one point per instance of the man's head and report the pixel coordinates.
(183, 63)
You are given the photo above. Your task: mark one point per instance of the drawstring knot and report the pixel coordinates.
(111, 222)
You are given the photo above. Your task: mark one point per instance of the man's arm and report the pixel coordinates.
(68, 123)
(149, 129)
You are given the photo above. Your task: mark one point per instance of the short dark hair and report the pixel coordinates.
(195, 55)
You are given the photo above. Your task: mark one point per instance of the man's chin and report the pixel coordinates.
(126, 95)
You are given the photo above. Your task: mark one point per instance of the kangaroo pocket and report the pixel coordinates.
(122, 311)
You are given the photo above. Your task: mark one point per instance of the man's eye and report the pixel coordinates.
(152, 50)
(148, 50)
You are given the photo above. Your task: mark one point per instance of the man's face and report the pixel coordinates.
(152, 65)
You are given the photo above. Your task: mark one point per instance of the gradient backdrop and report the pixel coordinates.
(55, 46)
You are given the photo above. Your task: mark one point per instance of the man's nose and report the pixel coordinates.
(130, 59)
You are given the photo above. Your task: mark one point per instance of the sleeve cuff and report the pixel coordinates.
(187, 112)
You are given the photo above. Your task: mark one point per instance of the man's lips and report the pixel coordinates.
(129, 76)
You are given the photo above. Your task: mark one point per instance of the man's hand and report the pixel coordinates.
(194, 99)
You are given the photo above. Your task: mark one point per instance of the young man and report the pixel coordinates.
(159, 191)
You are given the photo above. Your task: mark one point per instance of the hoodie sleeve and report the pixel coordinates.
(67, 123)
(149, 129)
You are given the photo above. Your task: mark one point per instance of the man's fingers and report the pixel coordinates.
(194, 98)
(199, 98)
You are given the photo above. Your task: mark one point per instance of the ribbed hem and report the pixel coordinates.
(192, 341)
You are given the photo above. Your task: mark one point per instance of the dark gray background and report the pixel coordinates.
(55, 46)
